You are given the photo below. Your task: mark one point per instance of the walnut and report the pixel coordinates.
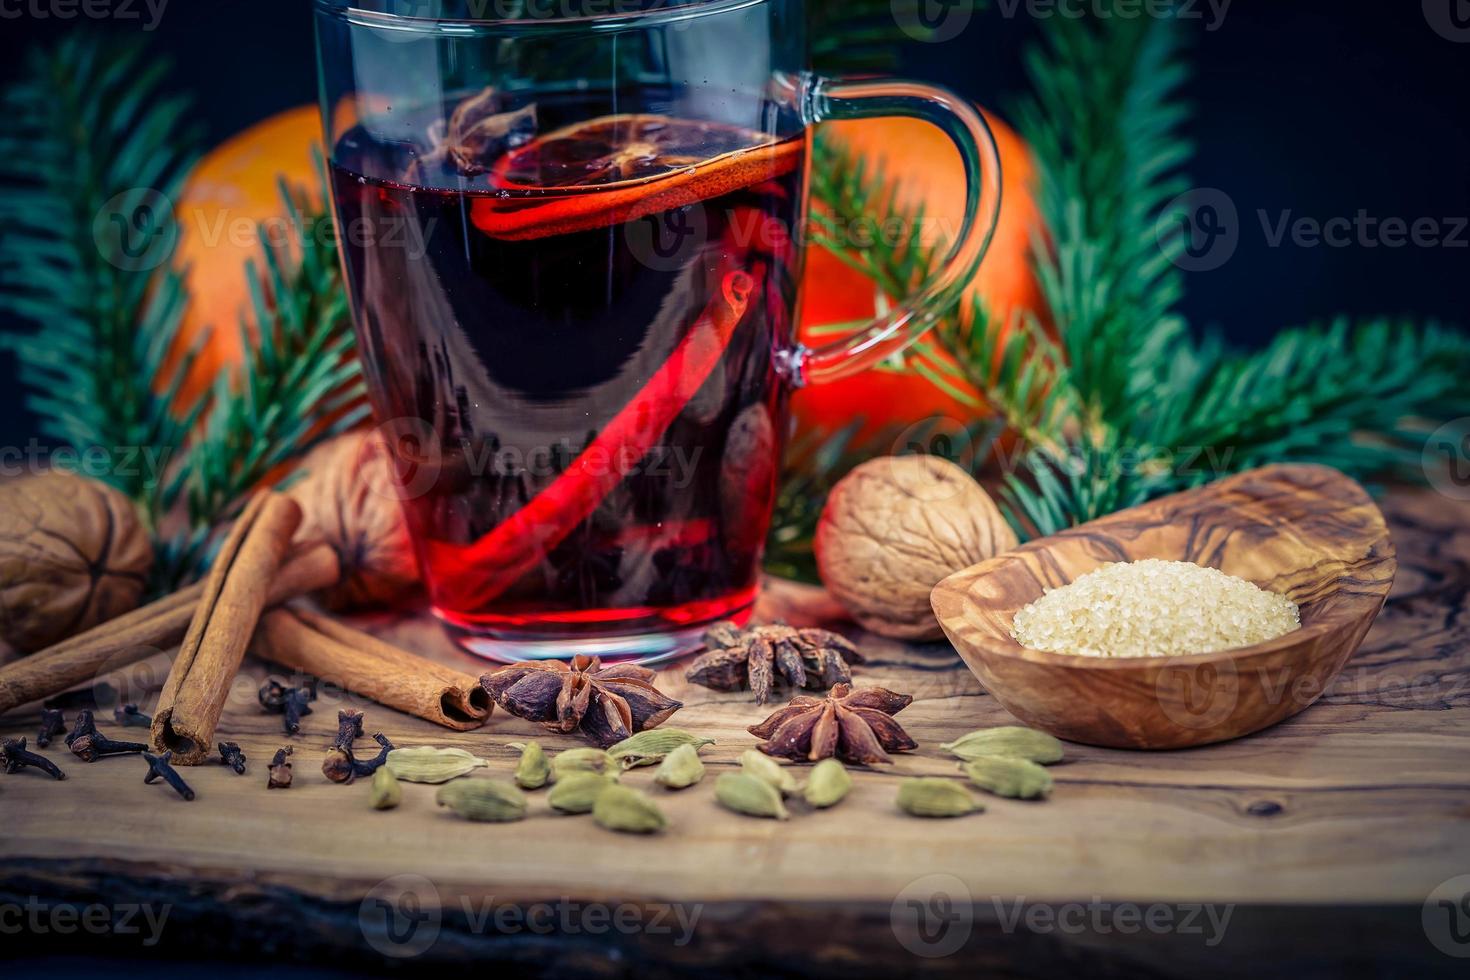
(349, 498)
(73, 554)
(894, 527)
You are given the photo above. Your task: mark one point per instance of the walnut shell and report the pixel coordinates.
(349, 499)
(893, 528)
(73, 554)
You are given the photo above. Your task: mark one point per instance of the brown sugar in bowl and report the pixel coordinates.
(1307, 532)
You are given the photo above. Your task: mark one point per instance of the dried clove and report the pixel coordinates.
(17, 758)
(290, 702)
(349, 728)
(90, 748)
(53, 723)
(280, 769)
(159, 768)
(129, 716)
(230, 755)
(341, 766)
(84, 725)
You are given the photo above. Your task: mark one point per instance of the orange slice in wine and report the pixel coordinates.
(615, 169)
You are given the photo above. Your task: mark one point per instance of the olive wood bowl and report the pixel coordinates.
(1307, 532)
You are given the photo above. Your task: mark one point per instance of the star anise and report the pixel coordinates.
(603, 704)
(813, 658)
(854, 726)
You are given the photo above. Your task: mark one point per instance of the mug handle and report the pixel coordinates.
(823, 99)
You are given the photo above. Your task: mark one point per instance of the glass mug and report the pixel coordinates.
(572, 234)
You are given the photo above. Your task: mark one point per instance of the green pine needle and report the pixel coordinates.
(89, 123)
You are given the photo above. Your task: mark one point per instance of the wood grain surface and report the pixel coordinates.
(1306, 532)
(1327, 832)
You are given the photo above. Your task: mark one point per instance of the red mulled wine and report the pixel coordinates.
(570, 324)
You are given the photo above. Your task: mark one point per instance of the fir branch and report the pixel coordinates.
(91, 150)
(1156, 410)
(300, 382)
(1103, 125)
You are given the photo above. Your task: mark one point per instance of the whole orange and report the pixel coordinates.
(233, 190)
(923, 167)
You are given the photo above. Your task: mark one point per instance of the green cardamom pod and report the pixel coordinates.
(577, 791)
(828, 784)
(533, 770)
(492, 800)
(650, 747)
(427, 764)
(577, 760)
(1008, 740)
(1003, 775)
(629, 811)
(750, 795)
(386, 792)
(929, 796)
(680, 768)
(761, 766)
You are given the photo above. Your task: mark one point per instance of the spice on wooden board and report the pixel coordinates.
(744, 793)
(1153, 608)
(291, 703)
(369, 667)
(340, 765)
(577, 791)
(628, 811)
(854, 726)
(138, 635)
(53, 723)
(604, 704)
(231, 755)
(680, 769)
(278, 774)
(17, 758)
(483, 800)
(649, 748)
(1007, 740)
(428, 764)
(930, 796)
(828, 785)
(235, 592)
(159, 768)
(735, 658)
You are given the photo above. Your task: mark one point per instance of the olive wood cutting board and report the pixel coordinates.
(1329, 831)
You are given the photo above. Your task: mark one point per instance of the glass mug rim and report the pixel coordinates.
(555, 15)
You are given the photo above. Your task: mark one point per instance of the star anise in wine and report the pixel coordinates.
(854, 726)
(603, 704)
(814, 658)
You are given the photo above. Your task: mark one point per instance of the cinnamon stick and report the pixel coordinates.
(137, 635)
(235, 593)
(363, 664)
(520, 542)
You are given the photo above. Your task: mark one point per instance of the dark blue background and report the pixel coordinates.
(1318, 107)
